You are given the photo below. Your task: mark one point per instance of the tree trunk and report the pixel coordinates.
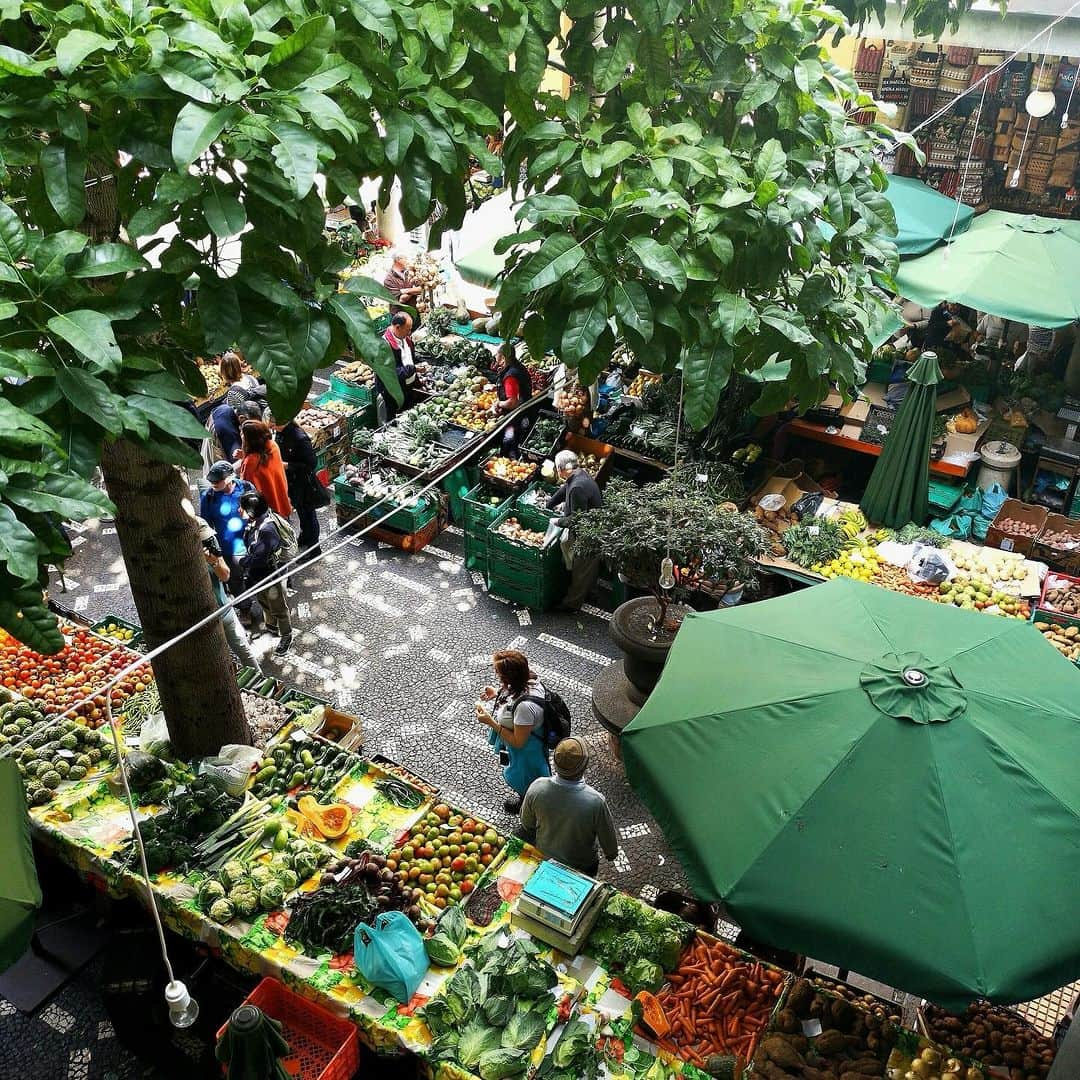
(171, 588)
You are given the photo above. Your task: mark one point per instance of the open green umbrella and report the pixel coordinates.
(897, 490)
(20, 895)
(924, 217)
(1019, 267)
(876, 781)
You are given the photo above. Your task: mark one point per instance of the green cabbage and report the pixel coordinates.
(442, 951)
(643, 974)
(500, 1064)
(476, 1039)
(524, 1029)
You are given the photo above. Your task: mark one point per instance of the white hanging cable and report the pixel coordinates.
(964, 171)
(1068, 103)
(980, 84)
(279, 574)
(1014, 179)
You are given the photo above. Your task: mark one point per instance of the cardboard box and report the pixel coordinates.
(1058, 554)
(1015, 510)
(791, 488)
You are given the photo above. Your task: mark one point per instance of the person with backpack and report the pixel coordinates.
(516, 713)
(566, 818)
(271, 543)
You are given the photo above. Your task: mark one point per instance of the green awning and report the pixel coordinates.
(1019, 267)
(878, 781)
(20, 894)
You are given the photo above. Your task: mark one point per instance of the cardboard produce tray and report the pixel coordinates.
(1015, 510)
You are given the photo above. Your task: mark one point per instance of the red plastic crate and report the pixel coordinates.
(321, 1046)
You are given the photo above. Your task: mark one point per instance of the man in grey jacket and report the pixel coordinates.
(565, 817)
(579, 491)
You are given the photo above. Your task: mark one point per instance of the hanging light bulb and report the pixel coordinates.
(183, 1008)
(1064, 121)
(1014, 180)
(1040, 103)
(667, 576)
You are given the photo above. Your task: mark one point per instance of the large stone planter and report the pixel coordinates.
(623, 686)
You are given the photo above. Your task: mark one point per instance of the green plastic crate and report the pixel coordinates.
(942, 495)
(505, 550)
(476, 552)
(879, 371)
(350, 391)
(361, 415)
(407, 519)
(546, 490)
(478, 511)
(539, 591)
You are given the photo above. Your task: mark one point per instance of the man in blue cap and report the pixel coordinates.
(220, 508)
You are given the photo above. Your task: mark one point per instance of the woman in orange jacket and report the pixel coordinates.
(261, 466)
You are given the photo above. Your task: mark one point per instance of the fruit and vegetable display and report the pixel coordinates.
(591, 463)
(545, 431)
(637, 943)
(264, 716)
(976, 594)
(575, 1056)
(399, 793)
(1025, 530)
(445, 944)
(340, 407)
(321, 424)
(572, 400)
(115, 632)
(866, 1002)
(1066, 639)
(215, 384)
(444, 854)
(53, 752)
(350, 892)
(994, 567)
(439, 322)
(814, 542)
(1061, 594)
(851, 1042)
(640, 381)
(356, 372)
(643, 432)
(398, 445)
(926, 1061)
(60, 681)
(993, 1035)
(466, 402)
(136, 709)
(513, 472)
(747, 455)
(493, 1011)
(861, 563)
(245, 889)
(382, 482)
(916, 534)
(718, 1001)
(426, 273)
(310, 763)
(517, 533)
(187, 818)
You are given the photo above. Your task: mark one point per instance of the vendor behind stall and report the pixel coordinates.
(579, 491)
(513, 384)
(399, 338)
(401, 284)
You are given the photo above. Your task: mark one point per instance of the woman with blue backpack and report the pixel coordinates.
(525, 719)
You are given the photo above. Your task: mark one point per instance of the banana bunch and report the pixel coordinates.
(852, 522)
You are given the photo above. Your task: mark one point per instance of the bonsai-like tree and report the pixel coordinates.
(638, 527)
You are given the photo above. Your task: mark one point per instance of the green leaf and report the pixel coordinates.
(223, 211)
(663, 170)
(437, 21)
(368, 344)
(766, 193)
(169, 417)
(359, 285)
(50, 256)
(301, 54)
(376, 16)
(611, 62)
(12, 235)
(771, 161)
(557, 256)
(24, 615)
(14, 62)
(760, 90)
(731, 314)
(707, 371)
(416, 188)
(195, 129)
(326, 113)
(530, 61)
(63, 169)
(20, 428)
(219, 312)
(90, 333)
(439, 145)
(583, 330)
(76, 46)
(790, 324)
(399, 135)
(296, 154)
(101, 260)
(847, 165)
(633, 308)
(8, 310)
(190, 75)
(91, 396)
(9, 274)
(808, 73)
(64, 494)
(659, 260)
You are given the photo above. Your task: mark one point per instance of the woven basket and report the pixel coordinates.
(1045, 76)
(993, 79)
(1040, 166)
(926, 70)
(989, 59)
(1067, 160)
(899, 55)
(867, 82)
(1062, 178)
(955, 79)
(1001, 152)
(959, 56)
(1069, 137)
(869, 59)
(1044, 144)
(1035, 185)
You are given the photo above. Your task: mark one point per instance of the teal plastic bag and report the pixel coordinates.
(391, 954)
(970, 502)
(980, 526)
(992, 499)
(957, 526)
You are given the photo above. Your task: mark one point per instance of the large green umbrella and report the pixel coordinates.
(1019, 267)
(897, 490)
(924, 217)
(876, 781)
(20, 895)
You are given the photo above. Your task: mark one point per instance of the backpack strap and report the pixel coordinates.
(541, 700)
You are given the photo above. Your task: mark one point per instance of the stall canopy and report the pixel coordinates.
(898, 486)
(877, 781)
(924, 217)
(20, 895)
(1019, 267)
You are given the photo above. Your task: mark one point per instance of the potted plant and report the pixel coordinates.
(708, 541)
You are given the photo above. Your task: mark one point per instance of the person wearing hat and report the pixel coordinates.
(565, 817)
(219, 506)
(219, 574)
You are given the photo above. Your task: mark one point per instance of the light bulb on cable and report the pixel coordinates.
(1014, 180)
(1064, 121)
(1040, 103)
(183, 1008)
(667, 576)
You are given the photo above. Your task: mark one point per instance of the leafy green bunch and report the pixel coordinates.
(703, 197)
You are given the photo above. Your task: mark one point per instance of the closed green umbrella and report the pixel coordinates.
(897, 490)
(877, 781)
(20, 895)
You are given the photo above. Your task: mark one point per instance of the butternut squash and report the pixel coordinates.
(332, 821)
(652, 1013)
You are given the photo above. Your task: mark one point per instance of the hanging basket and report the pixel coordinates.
(955, 80)
(1045, 76)
(899, 56)
(926, 70)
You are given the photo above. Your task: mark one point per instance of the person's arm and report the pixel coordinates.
(527, 829)
(557, 499)
(513, 396)
(218, 566)
(605, 831)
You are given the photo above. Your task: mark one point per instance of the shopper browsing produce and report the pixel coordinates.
(243, 386)
(400, 283)
(265, 537)
(515, 714)
(219, 574)
(579, 491)
(567, 818)
(305, 492)
(224, 434)
(262, 466)
(220, 507)
(513, 384)
(399, 338)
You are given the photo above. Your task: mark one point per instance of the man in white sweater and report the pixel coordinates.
(565, 817)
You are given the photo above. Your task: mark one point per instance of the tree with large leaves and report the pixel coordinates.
(677, 200)
(146, 147)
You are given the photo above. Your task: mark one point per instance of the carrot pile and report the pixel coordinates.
(717, 1002)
